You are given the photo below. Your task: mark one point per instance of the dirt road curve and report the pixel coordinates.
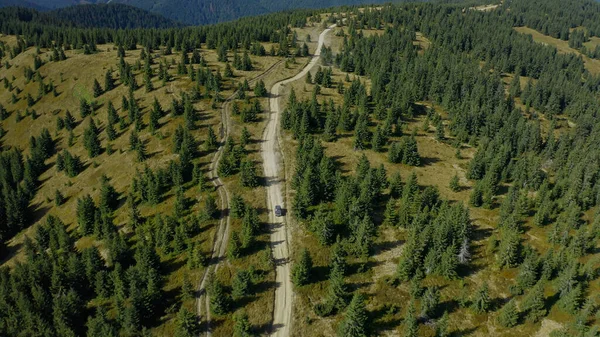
(219, 246)
(282, 316)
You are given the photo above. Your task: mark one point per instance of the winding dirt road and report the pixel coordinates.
(282, 315)
(219, 246)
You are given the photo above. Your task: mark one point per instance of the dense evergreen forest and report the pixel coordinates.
(537, 163)
(114, 16)
(201, 12)
(536, 175)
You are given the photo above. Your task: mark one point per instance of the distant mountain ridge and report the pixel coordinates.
(116, 16)
(21, 3)
(199, 12)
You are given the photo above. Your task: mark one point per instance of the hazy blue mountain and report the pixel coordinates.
(206, 11)
(116, 16)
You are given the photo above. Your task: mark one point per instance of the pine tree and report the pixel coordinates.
(242, 327)
(248, 176)
(109, 82)
(476, 197)
(430, 302)
(59, 199)
(91, 141)
(379, 140)
(455, 184)
(219, 301)
(211, 140)
(148, 83)
(302, 269)
(362, 134)
(84, 108)
(481, 300)
(187, 290)
(572, 300)
(235, 246)
(86, 211)
(240, 287)
(355, 319)
(187, 324)
(109, 198)
(210, 206)
(228, 71)
(237, 206)
(508, 316)
(396, 185)
(69, 121)
(260, 90)
(97, 89)
(533, 304)
(337, 293)
(111, 133)
(440, 133)
(509, 251)
(515, 86)
(411, 326)
(245, 137)
(441, 326)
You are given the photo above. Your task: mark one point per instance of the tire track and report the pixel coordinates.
(270, 150)
(221, 238)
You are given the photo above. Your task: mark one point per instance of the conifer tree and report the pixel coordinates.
(302, 269)
(481, 300)
(187, 324)
(509, 251)
(86, 211)
(111, 133)
(245, 137)
(109, 198)
(97, 89)
(248, 176)
(411, 326)
(59, 199)
(455, 184)
(441, 326)
(84, 108)
(362, 134)
(219, 301)
(430, 302)
(440, 132)
(508, 316)
(235, 246)
(240, 287)
(242, 327)
(210, 206)
(211, 140)
(237, 206)
(355, 319)
(337, 293)
(533, 304)
(91, 141)
(109, 82)
(187, 290)
(260, 90)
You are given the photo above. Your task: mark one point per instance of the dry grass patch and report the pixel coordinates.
(592, 65)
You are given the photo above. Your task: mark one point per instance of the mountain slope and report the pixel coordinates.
(118, 16)
(209, 11)
(20, 3)
(115, 16)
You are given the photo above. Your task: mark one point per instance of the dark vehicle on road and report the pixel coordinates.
(278, 211)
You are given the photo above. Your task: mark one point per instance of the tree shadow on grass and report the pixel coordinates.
(386, 317)
(463, 332)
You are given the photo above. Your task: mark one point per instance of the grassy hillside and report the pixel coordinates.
(119, 163)
(440, 169)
